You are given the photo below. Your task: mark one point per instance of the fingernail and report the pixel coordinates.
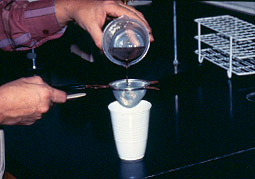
(152, 38)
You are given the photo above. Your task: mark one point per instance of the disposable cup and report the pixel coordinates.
(130, 129)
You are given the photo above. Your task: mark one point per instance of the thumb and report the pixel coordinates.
(96, 33)
(58, 96)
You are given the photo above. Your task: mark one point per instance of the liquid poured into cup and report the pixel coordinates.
(126, 55)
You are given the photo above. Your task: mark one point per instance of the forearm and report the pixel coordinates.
(27, 25)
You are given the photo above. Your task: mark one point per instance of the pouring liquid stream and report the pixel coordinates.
(127, 55)
(127, 74)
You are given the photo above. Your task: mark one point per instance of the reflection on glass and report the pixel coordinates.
(132, 169)
(176, 100)
(175, 62)
(230, 100)
(251, 97)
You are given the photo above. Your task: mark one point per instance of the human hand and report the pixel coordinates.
(91, 15)
(23, 101)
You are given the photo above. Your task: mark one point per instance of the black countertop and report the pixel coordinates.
(201, 124)
(204, 129)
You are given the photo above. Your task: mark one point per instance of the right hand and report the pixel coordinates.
(23, 101)
(92, 14)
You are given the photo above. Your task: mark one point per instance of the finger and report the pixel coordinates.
(142, 18)
(26, 123)
(28, 120)
(138, 13)
(34, 79)
(96, 34)
(121, 9)
(58, 96)
(132, 13)
(151, 37)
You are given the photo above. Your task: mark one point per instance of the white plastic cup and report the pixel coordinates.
(130, 129)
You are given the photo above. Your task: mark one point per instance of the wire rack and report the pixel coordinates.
(239, 67)
(229, 26)
(232, 44)
(241, 49)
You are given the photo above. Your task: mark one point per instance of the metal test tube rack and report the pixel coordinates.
(232, 44)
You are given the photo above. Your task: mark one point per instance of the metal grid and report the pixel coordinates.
(241, 49)
(240, 68)
(229, 26)
(233, 44)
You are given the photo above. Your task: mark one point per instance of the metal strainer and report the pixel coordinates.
(130, 93)
(127, 92)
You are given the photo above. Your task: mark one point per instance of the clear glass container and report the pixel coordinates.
(126, 41)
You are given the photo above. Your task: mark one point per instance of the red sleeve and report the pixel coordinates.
(25, 25)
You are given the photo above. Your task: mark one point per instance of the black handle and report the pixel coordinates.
(72, 88)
